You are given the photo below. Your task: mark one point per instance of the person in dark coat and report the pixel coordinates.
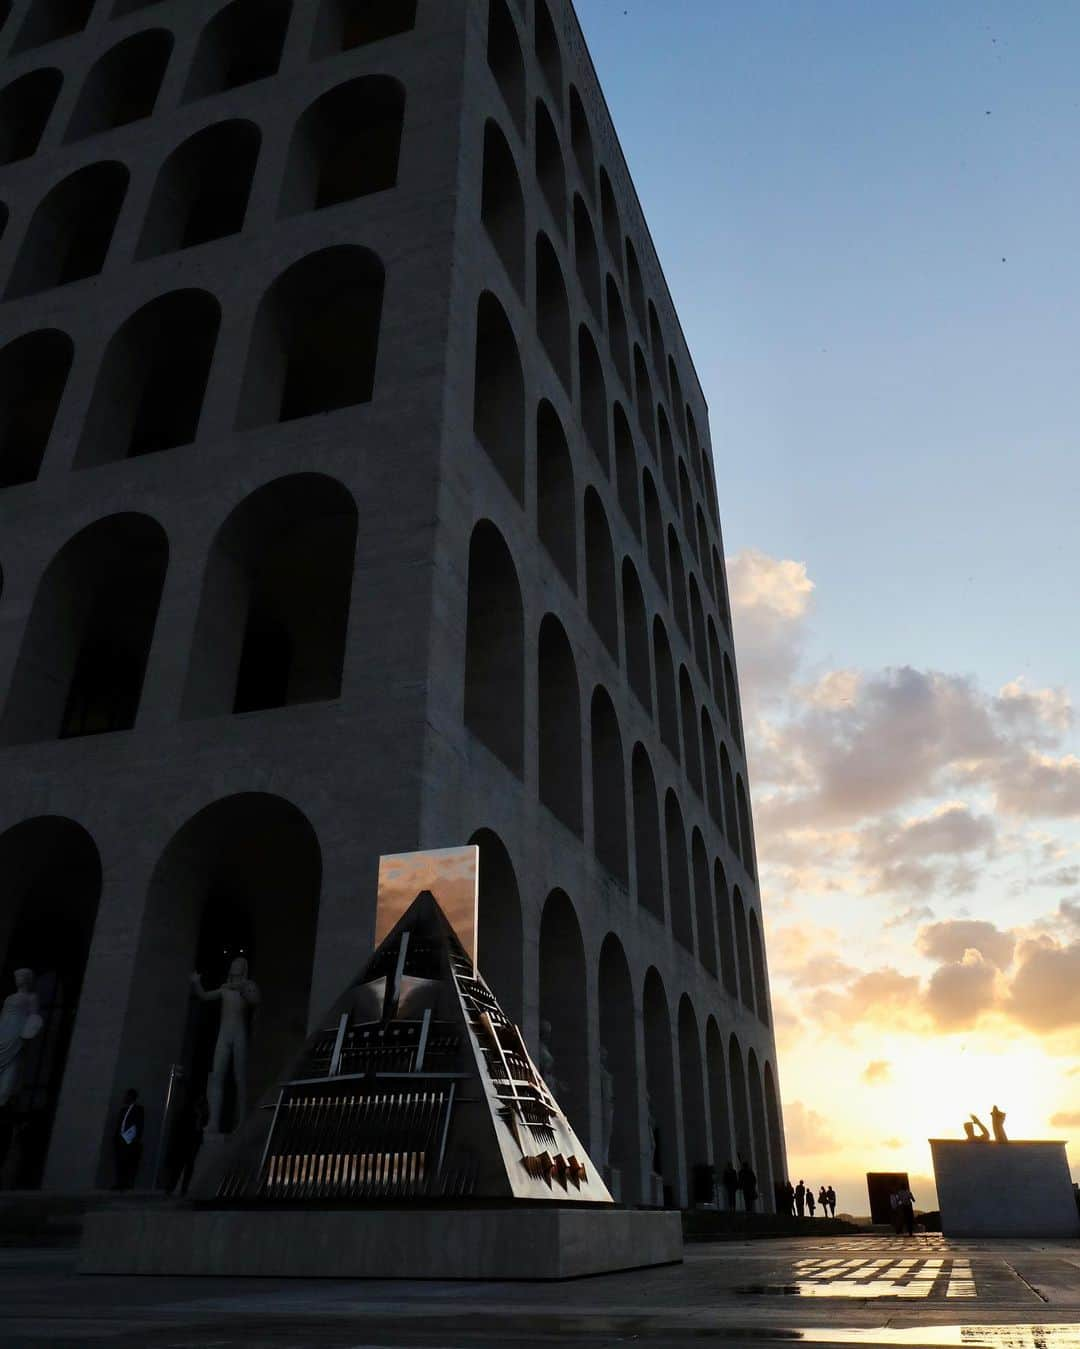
(192, 1128)
(731, 1185)
(128, 1140)
(748, 1185)
(800, 1199)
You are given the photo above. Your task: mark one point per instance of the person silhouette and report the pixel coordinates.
(748, 1185)
(800, 1199)
(823, 1201)
(830, 1194)
(731, 1186)
(810, 1200)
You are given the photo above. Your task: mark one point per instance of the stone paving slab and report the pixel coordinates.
(868, 1291)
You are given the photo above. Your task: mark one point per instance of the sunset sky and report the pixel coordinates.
(869, 217)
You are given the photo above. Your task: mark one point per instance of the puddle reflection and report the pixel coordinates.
(1057, 1336)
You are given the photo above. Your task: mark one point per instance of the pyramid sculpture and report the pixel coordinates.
(419, 1088)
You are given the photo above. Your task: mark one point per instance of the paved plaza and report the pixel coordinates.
(860, 1290)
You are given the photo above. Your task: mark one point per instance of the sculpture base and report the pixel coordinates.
(1014, 1189)
(495, 1243)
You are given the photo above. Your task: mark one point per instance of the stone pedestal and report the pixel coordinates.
(493, 1243)
(1014, 1189)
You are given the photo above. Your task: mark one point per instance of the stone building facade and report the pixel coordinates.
(356, 496)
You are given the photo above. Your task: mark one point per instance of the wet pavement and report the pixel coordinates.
(866, 1291)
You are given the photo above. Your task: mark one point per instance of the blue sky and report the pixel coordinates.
(869, 218)
(891, 402)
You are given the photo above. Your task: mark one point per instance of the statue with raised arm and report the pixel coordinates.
(237, 994)
(20, 1021)
(997, 1123)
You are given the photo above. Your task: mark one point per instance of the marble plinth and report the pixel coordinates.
(495, 1243)
(1014, 1189)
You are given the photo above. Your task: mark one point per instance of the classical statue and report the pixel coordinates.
(20, 1021)
(977, 1131)
(607, 1109)
(997, 1123)
(236, 995)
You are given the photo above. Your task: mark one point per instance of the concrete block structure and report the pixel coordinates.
(356, 496)
(1022, 1188)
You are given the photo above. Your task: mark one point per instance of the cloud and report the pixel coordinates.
(877, 1070)
(958, 993)
(948, 941)
(1066, 1119)
(770, 598)
(806, 1131)
(879, 996)
(1039, 784)
(893, 1142)
(1045, 991)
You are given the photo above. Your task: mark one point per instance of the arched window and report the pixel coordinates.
(547, 51)
(25, 107)
(275, 602)
(719, 1111)
(703, 904)
(123, 85)
(84, 650)
(654, 531)
(772, 1111)
(667, 456)
(586, 257)
(609, 788)
(617, 335)
(678, 583)
(316, 338)
(678, 407)
(581, 139)
(692, 1081)
(678, 873)
(550, 169)
(556, 500)
(742, 948)
(650, 876)
(125, 7)
(594, 404)
(739, 1105)
(552, 309)
(562, 997)
(757, 958)
(559, 725)
(745, 838)
(618, 1046)
(697, 623)
(71, 230)
(643, 390)
(603, 602)
(725, 931)
(50, 20)
(716, 670)
(500, 940)
(499, 394)
(636, 625)
(637, 290)
(731, 689)
(761, 1163)
(703, 550)
(345, 24)
(505, 60)
(713, 797)
(665, 688)
(727, 784)
(626, 470)
(609, 213)
(663, 1147)
(502, 206)
(721, 589)
(345, 145)
(202, 190)
(686, 503)
(691, 750)
(656, 341)
(33, 375)
(152, 382)
(495, 649)
(242, 43)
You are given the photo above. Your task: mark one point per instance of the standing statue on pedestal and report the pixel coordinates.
(607, 1110)
(236, 995)
(20, 1021)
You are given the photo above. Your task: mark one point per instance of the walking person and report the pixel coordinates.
(800, 1199)
(748, 1185)
(810, 1200)
(831, 1196)
(731, 1186)
(823, 1201)
(906, 1208)
(128, 1140)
